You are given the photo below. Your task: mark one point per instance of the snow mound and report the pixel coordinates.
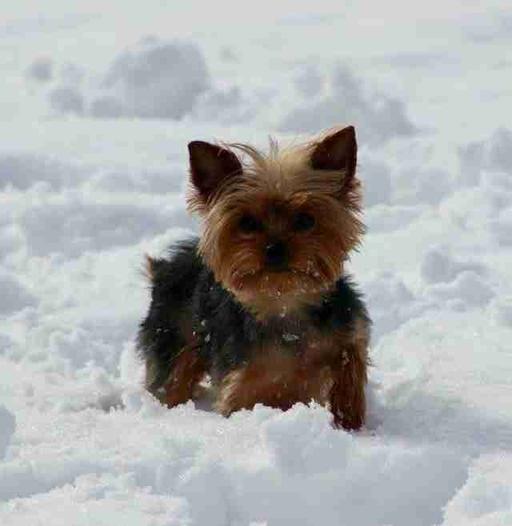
(427, 360)
(23, 170)
(67, 99)
(492, 154)
(378, 117)
(105, 499)
(224, 106)
(377, 187)
(157, 79)
(41, 69)
(486, 497)
(503, 310)
(391, 302)
(261, 466)
(503, 227)
(15, 296)
(439, 266)
(93, 171)
(7, 428)
(78, 225)
(468, 290)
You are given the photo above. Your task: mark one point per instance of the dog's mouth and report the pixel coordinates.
(286, 280)
(282, 270)
(277, 293)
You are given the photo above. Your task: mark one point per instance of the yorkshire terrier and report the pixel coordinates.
(260, 302)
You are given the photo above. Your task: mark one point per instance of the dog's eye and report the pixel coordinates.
(249, 224)
(303, 222)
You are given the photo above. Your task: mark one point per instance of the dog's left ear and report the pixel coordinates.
(337, 152)
(210, 166)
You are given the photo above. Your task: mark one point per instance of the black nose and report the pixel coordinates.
(276, 255)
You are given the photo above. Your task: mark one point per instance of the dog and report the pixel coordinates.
(260, 303)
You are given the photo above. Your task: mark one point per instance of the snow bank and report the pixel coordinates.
(66, 99)
(260, 466)
(22, 170)
(486, 497)
(94, 225)
(41, 69)
(156, 79)
(14, 295)
(492, 154)
(439, 266)
(7, 428)
(90, 188)
(377, 117)
(103, 499)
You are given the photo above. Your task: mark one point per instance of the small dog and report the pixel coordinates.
(260, 302)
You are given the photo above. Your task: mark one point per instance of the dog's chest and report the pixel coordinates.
(307, 343)
(292, 338)
(230, 336)
(229, 345)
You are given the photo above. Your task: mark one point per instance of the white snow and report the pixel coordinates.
(378, 117)
(156, 80)
(7, 427)
(41, 69)
(99, 100)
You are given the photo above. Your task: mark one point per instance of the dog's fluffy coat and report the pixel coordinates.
(260, 303)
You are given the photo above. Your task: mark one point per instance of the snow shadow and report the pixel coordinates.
(378, 117)
(428, 418)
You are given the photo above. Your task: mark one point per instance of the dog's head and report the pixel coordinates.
(277, 227)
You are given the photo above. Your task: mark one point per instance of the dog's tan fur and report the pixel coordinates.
(274, 187)
(328, 366)
(329, 369)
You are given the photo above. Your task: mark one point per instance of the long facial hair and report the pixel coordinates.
(317, 179)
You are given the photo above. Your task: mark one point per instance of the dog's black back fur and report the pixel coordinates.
(185, 298)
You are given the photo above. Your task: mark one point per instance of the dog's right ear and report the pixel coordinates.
(338, 152)
(211, 166)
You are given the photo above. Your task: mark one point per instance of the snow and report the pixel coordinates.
(378, 117)
(486, 497)
(98, 103)
(67, 100)
(40, 70)
(7, 428)
(159, 80)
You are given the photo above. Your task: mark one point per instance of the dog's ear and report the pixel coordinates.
(337, 151)
(210, 166)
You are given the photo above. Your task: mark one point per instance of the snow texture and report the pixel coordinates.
(7, 427)
(41, 69)
(99, 101)
(378, 117)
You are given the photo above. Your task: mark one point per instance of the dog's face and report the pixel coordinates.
(277, 229)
